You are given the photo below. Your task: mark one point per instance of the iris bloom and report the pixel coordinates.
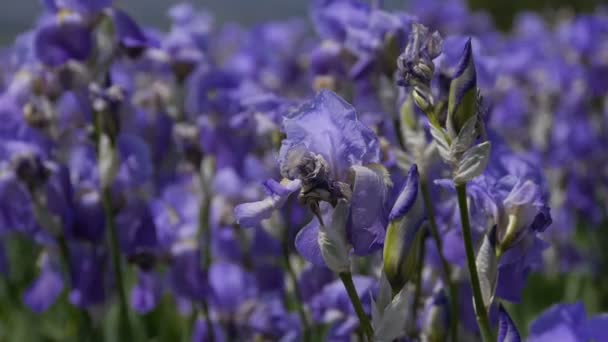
(327, 156)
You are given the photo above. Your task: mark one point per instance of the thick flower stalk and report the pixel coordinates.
(455, 138)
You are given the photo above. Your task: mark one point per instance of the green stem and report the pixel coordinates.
(418, 289)
(428, 203)
(347, 280)
(294, 278)
(108, 208)
(204, 237)
(480, 311)
(85, 331)
(296, 289)
(210, 330)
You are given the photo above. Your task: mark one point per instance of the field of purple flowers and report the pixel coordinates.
(356, 174)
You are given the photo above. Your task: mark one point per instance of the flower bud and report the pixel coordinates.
(462, 100)
(436, 319)
(423, 99)
(404, 234)
(507, 331)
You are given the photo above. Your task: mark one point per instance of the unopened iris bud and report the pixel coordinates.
(423, 99)
(462, 101)
(404, 234)
(436, 319)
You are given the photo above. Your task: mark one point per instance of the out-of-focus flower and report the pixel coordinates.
(507, 331)
(46, 289)
(58, 42)
(130, 37)
(231, 286)
(269, 318)
(85, 7)
(568, 322)
(187, 278)
(368, 33)
(146, 294)
(90, 283)
(332, 306)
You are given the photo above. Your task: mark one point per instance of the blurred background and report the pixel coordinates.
(20, 15)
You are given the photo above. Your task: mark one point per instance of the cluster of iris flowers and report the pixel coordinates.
(361, 174)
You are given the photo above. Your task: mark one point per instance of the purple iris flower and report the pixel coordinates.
(231, 286)
(90, 285)
(85, 7)
(130, 36)
(271, 319)
(201, 333)
(147, 293)
(58, 42)
(186, 276)
(15, 211)
(568, 322)
(509, 196)
(137, 232)
(507, 331)
(324, 157)
(362, 30)
(332, 306)
(175, 213)
(46, 289)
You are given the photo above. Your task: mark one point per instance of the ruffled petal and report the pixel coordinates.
(307, 243)
(251, 214)
(367, 223)
(328, 126)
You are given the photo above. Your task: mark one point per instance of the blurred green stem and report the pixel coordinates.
(46, 219)
(347, 280)
(203, 238)
(447, 270)
(296, 290)
(125, 326)
(418, 289)
(480, 310)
